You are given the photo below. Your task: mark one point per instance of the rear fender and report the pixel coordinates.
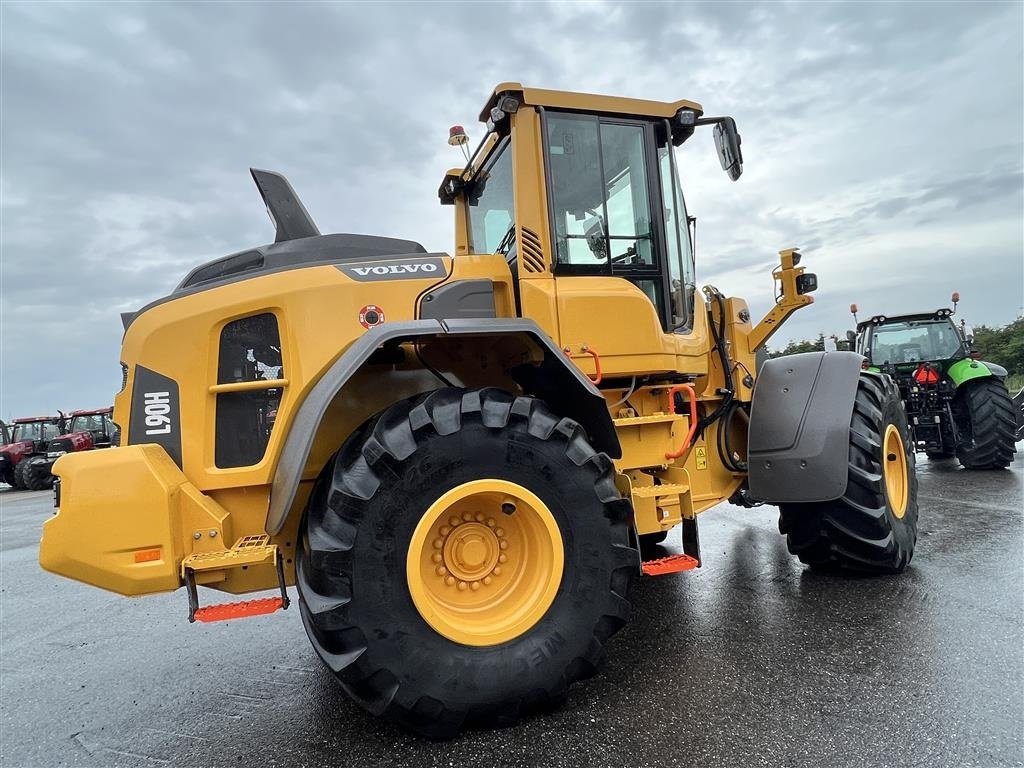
(798, 448)
(963, 371)
(554, 379)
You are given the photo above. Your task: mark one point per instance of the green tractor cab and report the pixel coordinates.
(957, 405)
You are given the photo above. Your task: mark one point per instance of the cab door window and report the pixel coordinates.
(602, 183)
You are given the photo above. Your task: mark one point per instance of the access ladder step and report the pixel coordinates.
(248, 551)
(244, 609)
(670, 564)
(657, 491)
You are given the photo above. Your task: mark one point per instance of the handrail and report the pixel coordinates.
(688, 388)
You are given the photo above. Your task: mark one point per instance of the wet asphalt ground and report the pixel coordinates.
(750, 661)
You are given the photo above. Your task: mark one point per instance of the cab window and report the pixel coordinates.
(679, 250)
(603, 178)
(491, 210)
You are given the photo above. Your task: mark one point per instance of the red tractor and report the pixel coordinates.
(86, 430)
(28, 439)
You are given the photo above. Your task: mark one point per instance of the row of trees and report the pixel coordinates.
(1003, 345)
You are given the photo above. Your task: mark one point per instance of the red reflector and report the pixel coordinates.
(241, 610)
(975, 355)
(147, 555)
(670, 564)
(926, 375)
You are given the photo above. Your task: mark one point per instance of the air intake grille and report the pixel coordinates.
(533, 254)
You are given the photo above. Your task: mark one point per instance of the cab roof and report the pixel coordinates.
(93, 412)
(589, 102)
(939, 314)
(34, 419)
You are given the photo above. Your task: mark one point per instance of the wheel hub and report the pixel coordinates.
(470, 550)
(894, 470)
(485, 562)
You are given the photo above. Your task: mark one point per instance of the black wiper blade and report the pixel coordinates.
(507, 241)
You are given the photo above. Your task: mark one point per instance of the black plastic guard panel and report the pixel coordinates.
(798, 449)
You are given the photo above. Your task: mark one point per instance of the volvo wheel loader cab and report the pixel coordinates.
(456, 457)
(957, 404)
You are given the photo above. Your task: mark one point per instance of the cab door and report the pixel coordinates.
(615, 292)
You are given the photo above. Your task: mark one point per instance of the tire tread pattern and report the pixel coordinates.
(990, 410)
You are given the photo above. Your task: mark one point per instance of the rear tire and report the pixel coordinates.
(359, 535)
(989, 411)
(864, 531)
(35, 477)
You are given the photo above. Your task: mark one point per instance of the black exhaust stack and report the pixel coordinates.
(290, 216)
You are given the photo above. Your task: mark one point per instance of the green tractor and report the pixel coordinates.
(957, 405)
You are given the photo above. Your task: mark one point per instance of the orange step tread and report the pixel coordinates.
(670, 564)
(240, 610)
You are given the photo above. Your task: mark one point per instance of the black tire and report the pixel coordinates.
(860, 532)
(648, 540)
(18, 474)
(35, 476)
(351, 566)
(988, 443)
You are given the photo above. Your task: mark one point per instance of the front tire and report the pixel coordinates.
(872, 528)
(380, 617)
(989, 442)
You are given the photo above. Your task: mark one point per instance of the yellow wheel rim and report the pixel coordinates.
(894, 469)
(485, 562)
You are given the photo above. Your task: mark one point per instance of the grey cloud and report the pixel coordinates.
(128, 130)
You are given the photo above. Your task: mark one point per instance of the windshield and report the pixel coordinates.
(914, 340)
(491, 212)
(34, 430)
(91, 423)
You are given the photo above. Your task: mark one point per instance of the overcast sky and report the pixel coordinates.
(885, 139)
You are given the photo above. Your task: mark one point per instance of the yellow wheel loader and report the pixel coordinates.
(461, 460)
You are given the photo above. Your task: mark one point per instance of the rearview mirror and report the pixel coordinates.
(851, 339)
(968, 333)
(727, 142)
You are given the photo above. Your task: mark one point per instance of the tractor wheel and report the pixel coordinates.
(872, 528)
(18, 474)
(989, 442)
(463, 559)
(35, 476)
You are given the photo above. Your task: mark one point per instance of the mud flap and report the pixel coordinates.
(800, 427)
